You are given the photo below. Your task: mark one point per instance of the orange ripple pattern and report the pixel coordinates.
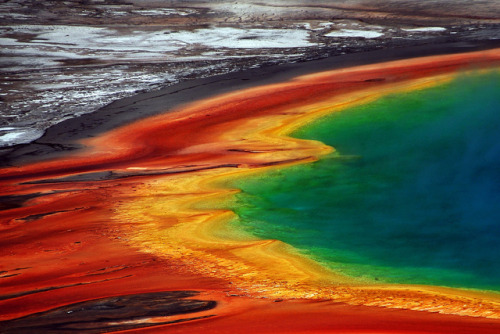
(61, 243)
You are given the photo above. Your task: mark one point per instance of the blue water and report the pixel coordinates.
(412, 194)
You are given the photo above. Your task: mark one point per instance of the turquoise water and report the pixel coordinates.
(411, 195)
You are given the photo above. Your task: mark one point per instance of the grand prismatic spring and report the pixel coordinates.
(355, 200)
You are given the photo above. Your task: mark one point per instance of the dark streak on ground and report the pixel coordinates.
(15, 201)
(41, 215)
(113, 314)
(25, 293)
(106, 176)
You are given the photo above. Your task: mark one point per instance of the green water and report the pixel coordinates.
(412, 194)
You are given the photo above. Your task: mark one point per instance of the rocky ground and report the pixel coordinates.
(60, 59)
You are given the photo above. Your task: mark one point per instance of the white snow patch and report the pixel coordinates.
(235, 38)
(425, 29)
(354, 33)
(306, 26)
(18, 16)
(19, 136)
(164, 11)
(82, 42)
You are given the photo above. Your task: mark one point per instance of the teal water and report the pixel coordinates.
(411, 195)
